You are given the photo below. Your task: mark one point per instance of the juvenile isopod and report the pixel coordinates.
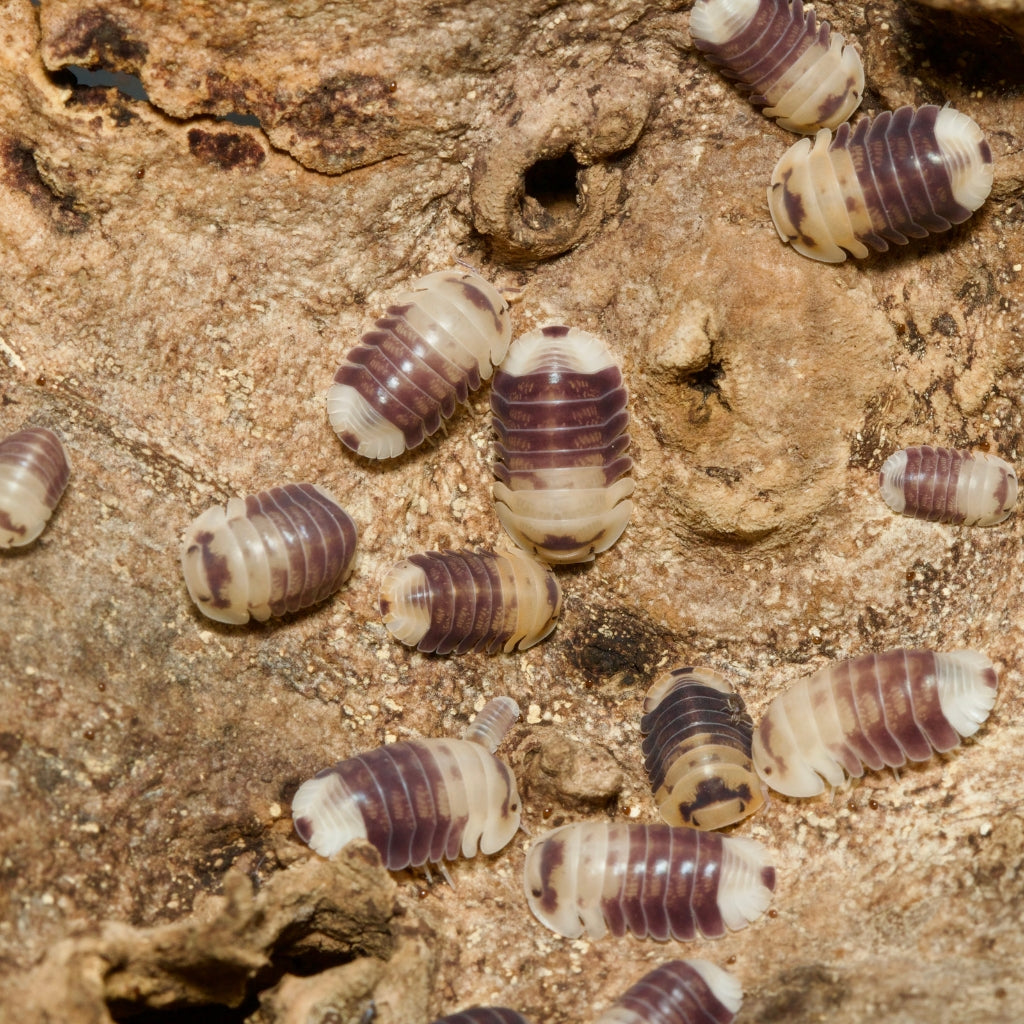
(457, 601)
(437, 343)
(267, 554)
(34, 470)
(415, 801)
(484, 1015)
(560, 416)
(947, 485)
(678, 992)
(872, 711)
(895, 176)
(651, 880)
(802, 73)
(697, 750)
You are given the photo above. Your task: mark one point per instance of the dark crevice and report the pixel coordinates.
(552, 184)
(708, 382)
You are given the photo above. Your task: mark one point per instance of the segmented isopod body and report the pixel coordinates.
(802, 73)
(457, 601)
(896, 176)
(697, 750)
(267, 554)
(415, 801)
(436, 344)
(651, 880)
(947, 485)
(560, 416)
(872, 711)
(34, 470)
(484, 1015)
(678, 992)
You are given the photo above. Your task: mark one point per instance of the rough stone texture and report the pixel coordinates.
(1004, 12)
(176, 293)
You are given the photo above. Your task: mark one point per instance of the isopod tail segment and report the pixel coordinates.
(34, 472)
(871, 712)
(802, 74)
(437, 343)
(900, 175)
(678, 992)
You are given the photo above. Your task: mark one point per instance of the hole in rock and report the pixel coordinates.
(552, 183)
(707, 382)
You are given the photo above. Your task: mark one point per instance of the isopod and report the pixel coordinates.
(652, 880)
(802, 73)
(947, 485)
(415, 801)
(437, 343)
(267, 554)
(697, 750)
(678, 992)
(457, 601)
(34, 471)
(871, 711)
(560, 417)
(484, 1015)
(895, 176)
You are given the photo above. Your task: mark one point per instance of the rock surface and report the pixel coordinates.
(176, 292)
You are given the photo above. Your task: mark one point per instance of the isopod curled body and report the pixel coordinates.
(415, 801)
(697, 750)
(457, 601)
(802, 73)
(437, 343)
(895, 176)
(484, 1015)
(34, 471)
(947, 485)
(651, 880)
(560, 416)
(678, 992)
(874, 711)
(268, 553)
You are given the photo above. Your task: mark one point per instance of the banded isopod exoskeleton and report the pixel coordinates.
(697, 750)
(678, 992)
(437, 343)
(801, 72)
(873, 711)
(34, 471)
(895, 176)
(268, 553)
(484, 1015)
(652, 880)
(948, 485)
(415, 801)
(442, 602)
(560, 416)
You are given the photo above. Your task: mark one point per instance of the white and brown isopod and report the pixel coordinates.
(436, 344)
(697, 750)
(802, 73)
(34, 470)
(678, 992)
(947, 485)
(651, 880)
(442, 602)
(894, 177)
(560, 416)
(415, 801)
(267, 554)
(484, 1015)
(870, 712)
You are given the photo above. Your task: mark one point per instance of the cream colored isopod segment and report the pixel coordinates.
(34, 471)
(560, 416)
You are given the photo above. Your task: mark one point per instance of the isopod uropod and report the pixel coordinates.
(560, 416)
(416, 801)
(872, 711)
(436, 344)
(697, 750)
(34, 471)
(267, 554)
(947, 485)
(895, 176)
(678, 992)
(652, 880)
(445, 601)
(802, 73)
